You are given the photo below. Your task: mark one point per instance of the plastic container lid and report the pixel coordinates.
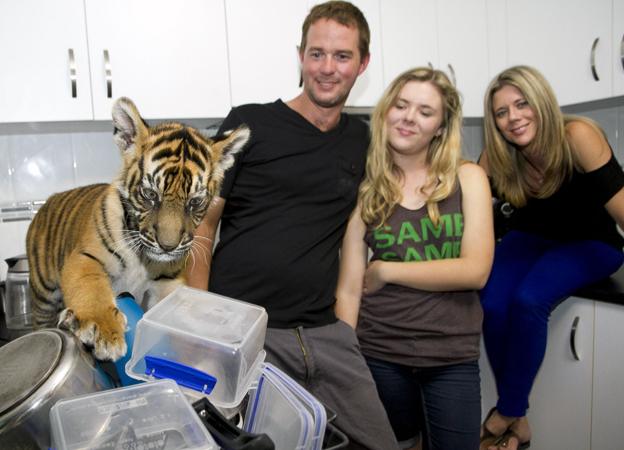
(147, 415)
(312, 405)
(286, 412)
(210, 344)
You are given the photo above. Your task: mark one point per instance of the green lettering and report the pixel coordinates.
(412, 255)
(431, 251)
(456, 249)
(383, 240)
(390, 256)
(406, 232)
(458, 218)
(427, 226)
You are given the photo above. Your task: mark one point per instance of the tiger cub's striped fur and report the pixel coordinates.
(88, 244)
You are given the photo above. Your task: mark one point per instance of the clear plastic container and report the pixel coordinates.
(146, 415)
(210, 344)
(291, 416)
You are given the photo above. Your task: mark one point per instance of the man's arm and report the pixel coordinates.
(197, 270)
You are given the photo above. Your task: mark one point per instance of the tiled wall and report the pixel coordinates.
(37, 160)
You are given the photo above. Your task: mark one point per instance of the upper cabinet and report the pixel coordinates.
(569, 41)
(45, 61)
(170, 58)
(451, 35)
(618, 47)
(264, 61)
(69, 59)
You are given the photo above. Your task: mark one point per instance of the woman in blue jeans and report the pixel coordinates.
(566, 191)
(427, 218)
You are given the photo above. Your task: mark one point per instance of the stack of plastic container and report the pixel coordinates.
(285, 411)
(212, 347)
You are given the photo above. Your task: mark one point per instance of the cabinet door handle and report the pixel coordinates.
(575, 323)
(622, 51)
(72, 73)
(452, 73)
(109, 75)
(300, 67)
(593, 59)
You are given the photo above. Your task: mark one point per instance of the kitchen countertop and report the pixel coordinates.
(609, 290)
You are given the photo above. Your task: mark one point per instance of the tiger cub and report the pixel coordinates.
(88, 244)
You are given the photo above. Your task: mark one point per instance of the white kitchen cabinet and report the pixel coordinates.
(410, 36)
(370, 85)
(608, 399)
(170, 58)
(557, 38)
(42, 44)
(560, 402)
(617, 41)
(451, 35)
(263, 56)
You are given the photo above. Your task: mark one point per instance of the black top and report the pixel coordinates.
(576, 211)
(289, 196)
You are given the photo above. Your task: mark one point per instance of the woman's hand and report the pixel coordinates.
(373, 279)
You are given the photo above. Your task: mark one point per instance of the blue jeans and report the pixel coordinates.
(444, 403)
(530, 277)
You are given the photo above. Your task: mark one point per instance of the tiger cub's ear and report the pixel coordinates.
(225, 147)
(129, 125)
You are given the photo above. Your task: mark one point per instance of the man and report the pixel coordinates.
(283, 209)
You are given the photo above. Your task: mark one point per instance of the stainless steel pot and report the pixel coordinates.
(37, 370)
(17, 303)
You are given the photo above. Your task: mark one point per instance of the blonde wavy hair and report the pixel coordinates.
(506, 164)
(380, 191)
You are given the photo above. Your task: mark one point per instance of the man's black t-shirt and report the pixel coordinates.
(288, 199)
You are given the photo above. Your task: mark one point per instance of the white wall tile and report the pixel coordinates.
(96, 157)
(12, 242)
(41, 165)
(607, 118)
(6, 188)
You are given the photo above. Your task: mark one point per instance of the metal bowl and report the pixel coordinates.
(37, 370)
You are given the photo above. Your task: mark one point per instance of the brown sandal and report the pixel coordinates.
(488, 438)
(503, 441)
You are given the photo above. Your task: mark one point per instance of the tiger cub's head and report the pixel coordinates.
(170, 174)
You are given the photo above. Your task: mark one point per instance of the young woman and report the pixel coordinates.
(559, 174)
(426, 216)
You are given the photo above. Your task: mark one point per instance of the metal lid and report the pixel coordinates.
(25, 364)
(17, 263)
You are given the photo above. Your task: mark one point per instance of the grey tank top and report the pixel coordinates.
(410, 326)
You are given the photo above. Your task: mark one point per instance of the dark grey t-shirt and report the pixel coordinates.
(411, 326)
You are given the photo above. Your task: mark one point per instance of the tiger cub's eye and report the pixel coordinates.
(149, 194)
(196, 202)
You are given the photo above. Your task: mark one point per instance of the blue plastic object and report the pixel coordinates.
(183, 375)
(128, 305)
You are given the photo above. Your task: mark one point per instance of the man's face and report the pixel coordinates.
(331, 62)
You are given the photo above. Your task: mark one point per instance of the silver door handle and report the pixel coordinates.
(452, 73)
(72, 73)
(109, 75)
(622, 51)
(573, 338)
(593, 59)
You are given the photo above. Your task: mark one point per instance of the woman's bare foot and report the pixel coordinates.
(496, 424)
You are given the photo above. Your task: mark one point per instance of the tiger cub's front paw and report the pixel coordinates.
(105, 334)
